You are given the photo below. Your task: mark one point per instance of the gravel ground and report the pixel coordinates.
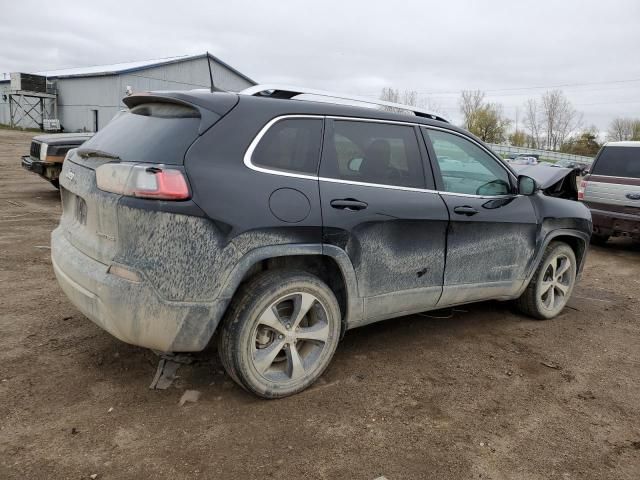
(478, 392)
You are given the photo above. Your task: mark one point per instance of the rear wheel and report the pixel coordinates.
(280, 333)
(552, 284)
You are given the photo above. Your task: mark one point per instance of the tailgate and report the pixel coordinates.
(89, 215)
(619, 193)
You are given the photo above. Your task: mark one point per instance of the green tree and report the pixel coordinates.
(489, 124)
(518, 138)
(485, 120)
(636, 130)
(585, 143)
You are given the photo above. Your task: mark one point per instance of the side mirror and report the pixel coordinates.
(526, 185)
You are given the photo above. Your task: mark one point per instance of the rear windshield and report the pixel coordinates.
(618, 162)
(156, 133)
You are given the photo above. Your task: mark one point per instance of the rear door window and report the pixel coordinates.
(618, 162)
(373, 152)
(291, 145)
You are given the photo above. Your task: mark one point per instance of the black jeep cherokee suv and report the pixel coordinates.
(281, 223)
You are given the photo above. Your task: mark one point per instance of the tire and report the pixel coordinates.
(266, 346)
(599, 240)
(545, 298)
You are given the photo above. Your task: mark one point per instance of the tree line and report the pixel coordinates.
(549, 122)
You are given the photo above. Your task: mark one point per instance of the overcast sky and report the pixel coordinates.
(437, 48)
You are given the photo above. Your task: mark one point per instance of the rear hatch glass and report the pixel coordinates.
(151, 132)
(618, 162)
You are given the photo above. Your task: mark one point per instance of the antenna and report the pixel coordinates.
(210, 73)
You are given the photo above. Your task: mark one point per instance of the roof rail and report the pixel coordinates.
(286, 91)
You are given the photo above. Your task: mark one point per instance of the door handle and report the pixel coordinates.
(348, 204)
(465, 210)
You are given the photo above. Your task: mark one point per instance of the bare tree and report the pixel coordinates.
(533, 122)
(559, 118)
(390, 95)
(407, 97)
(471, 102)
(518, 138)
(622, 129)
(410, 97)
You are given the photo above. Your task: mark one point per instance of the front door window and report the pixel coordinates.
(466, 168)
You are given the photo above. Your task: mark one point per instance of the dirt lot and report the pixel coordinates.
(486, 393)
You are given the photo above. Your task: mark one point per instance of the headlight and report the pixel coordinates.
(43, 151)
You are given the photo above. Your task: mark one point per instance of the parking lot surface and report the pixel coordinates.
(475, 392)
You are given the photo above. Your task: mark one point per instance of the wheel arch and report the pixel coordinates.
(331, 264)
(576, 239)
(577, 244)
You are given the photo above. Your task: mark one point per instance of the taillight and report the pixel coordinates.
(583, 185)
(144, 181)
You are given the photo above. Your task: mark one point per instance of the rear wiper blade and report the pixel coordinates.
(92, 152)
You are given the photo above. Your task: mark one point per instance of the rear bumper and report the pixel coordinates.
(48, 170)
(131, 311)
(615, 223)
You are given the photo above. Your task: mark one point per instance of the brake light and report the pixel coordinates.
(143, 181)
(583, 185)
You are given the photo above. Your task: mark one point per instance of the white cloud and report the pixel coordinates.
(356, 46)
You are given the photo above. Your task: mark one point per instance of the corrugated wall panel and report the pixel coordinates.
(4, 104)
(78, 97)
(184, 76)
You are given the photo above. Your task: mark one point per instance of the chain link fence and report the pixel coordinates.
(542, 154)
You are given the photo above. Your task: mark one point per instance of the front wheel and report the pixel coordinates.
(280, 333)
(552, 284)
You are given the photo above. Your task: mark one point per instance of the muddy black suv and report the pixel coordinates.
(279, 223)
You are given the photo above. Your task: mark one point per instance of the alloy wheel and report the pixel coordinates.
(557, 282)
(289, 337)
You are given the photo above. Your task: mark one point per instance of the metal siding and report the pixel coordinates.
(77, 96)
(4, 104)
(183, 76)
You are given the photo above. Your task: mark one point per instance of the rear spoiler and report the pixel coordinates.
(211, 106)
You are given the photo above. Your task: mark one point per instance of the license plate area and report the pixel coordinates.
(80, 210)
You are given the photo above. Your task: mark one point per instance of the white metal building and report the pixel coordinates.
(88, 97)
